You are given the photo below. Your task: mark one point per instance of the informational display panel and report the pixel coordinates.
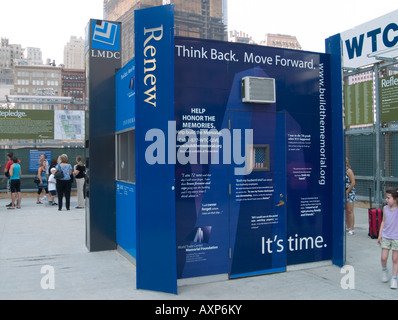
(226, 185)
(34, 158)
(42, 124)
(69, 125)
(125, 97)
(126, 217)
(358, 103)
(389, 98)
(126, 231)
(26, 124)
(259, 198)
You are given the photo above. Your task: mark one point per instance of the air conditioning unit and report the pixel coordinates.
(258, 90)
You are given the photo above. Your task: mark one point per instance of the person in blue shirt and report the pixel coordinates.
(15, 183)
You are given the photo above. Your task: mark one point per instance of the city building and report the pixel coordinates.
(281, 41)
(42, 80)
(34, 56)
(6, 81)
(239, 36)
(74, 85)
(200, 19)
(193, 18)
(74, 54)
(10, 54)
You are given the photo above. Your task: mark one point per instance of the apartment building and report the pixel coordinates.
(74, 53)
(74, 86)
(10, 54)
(34, 56)
(42, 80)
(240, 37)
(281, 41)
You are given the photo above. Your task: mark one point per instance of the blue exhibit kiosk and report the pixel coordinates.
(229, 157)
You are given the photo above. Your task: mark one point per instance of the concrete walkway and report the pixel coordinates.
(39, 244)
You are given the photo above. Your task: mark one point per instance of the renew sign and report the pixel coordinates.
(378, 37)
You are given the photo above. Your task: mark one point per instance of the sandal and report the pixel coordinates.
(9, 208)
(38, 202)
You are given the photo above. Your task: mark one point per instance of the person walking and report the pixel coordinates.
(64, 184)
(350, 193)
(15, 183)
(388, 236)
(10, 154)
(79, 172)
(52, 186)
(43, 158)
(42, 185)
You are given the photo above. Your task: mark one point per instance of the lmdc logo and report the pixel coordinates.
(105, 35)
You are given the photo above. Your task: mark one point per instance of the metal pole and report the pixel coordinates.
(377, 133)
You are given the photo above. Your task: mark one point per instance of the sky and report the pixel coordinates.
(311, 21)
(49, 24)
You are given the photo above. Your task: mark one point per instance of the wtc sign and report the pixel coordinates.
(364, 43)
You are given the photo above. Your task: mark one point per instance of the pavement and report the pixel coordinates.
(43, 257)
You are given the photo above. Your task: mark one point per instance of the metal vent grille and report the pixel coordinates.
(258, 90)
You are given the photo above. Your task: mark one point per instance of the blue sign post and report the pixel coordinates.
(156, 224)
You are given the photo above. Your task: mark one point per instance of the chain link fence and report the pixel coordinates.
(371, 135)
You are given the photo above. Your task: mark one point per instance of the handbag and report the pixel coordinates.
(59, 175)
(36, 180)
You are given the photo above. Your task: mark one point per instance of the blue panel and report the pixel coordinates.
(257, 209)
(126, 217)
(125, 97)
(208, 89)
(333, 46)
(156, 244)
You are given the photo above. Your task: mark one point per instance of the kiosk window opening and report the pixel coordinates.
(125, 153)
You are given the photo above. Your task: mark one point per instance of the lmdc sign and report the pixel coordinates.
(361, 44)
(105, 54)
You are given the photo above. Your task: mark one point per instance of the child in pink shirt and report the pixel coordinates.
(388, 236)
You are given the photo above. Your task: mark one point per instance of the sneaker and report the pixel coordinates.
(393, 283)
(351, 232)
(384, 276)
